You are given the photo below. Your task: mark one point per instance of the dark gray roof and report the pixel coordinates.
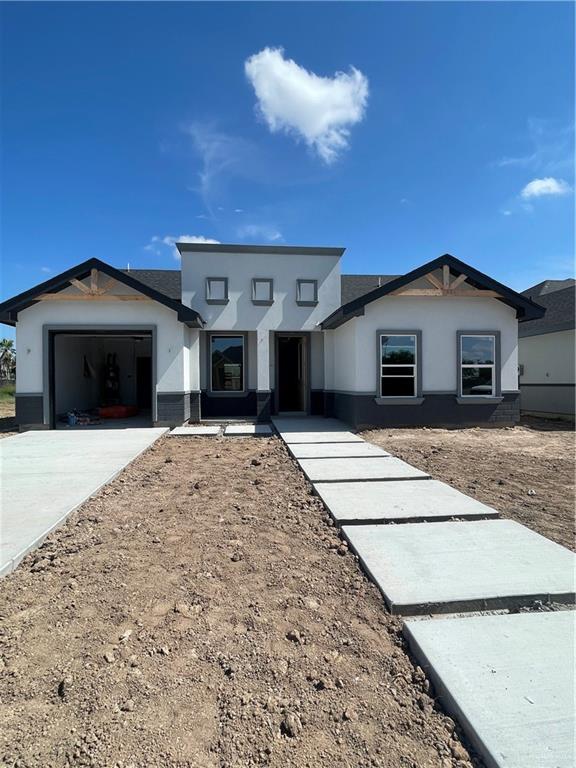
(548, 286)
(295, 250)
(354, 286)
(166, 281)
(559, 315)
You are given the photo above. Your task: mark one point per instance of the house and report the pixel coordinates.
(246, 331)
(546, 351)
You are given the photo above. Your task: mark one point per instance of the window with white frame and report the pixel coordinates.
(398, 375)
(227, 363)
(306, 292)
(477, 365)
(262, 290)
(217, 290)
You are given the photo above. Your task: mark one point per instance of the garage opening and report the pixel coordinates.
(101, 379)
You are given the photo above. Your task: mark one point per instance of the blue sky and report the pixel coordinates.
(399, 130)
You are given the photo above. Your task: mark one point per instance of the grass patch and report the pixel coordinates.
(7, 392)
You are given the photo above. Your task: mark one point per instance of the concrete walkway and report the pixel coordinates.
(508, 679)
(46, 475)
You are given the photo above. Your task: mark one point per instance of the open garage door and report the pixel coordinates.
(101, 378)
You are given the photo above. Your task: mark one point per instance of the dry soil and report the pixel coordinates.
(201, 611)
(526, 472)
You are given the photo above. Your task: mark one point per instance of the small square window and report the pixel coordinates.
(262, 290)
(307, 292)
(217, 290)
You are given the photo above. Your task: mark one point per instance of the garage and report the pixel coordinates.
(101, 378)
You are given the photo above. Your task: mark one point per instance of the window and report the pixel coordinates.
(262, 290)
(398, 365)
(306, 293)
(477, 365)
(227, 363)
(217, 290)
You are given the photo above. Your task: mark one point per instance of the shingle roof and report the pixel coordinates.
(354, 286)
(548, 286)
(166, 281)
(560, 309)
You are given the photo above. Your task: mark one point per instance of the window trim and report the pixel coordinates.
(208, 300)
(262, 302)
(496, 368)
(299, 301)
(416, 398)
(220, 392)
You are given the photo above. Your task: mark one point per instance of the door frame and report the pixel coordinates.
(307, 358)
(50, 331)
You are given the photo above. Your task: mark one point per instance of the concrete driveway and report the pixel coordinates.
(44, 476)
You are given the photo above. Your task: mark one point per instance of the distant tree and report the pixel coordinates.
(7, 359)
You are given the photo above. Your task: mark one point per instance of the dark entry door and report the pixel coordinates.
(292, 374)
(144, 382)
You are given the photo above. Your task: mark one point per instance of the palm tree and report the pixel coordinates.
(7, 359)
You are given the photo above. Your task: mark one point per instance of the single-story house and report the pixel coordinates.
(247, 331)
(546, 351)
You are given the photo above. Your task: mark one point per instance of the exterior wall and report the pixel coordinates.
(547, 379)
(171, 349)
(240, 313)
(351, 365)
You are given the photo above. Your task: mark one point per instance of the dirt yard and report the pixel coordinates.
(525, 472)
(202, 612)
(7, 420)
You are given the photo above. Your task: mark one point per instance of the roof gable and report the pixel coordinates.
(451, 268)
(9, 309)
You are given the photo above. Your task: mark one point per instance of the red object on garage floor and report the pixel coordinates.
(117, 411)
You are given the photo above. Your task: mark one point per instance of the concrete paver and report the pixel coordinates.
(247, 429)
(372, 468)
(45, 475)
(335, 450)
(463, 566)
(206, 431)
(398, 501)
(509, 680)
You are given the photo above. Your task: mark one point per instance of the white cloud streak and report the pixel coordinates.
(548, 186)
(319, 110)
(158, 244)
(260, 232)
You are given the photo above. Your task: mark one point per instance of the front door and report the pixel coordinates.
(292, 374)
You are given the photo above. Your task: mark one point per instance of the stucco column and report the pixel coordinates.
(263, 394)
(194, 373)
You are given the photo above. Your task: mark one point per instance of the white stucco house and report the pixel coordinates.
(546, 352)
(247, 331)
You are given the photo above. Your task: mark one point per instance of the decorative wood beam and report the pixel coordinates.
(434, 281)
(447, 294)
(445, 277)
(78, 284)
(459, 280)
(92, 297)
(93, 281)
(107, 285)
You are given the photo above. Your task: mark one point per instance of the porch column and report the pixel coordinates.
(263, 394)
(194, 373)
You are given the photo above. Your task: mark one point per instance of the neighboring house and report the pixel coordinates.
(546, 351)
(246, 331)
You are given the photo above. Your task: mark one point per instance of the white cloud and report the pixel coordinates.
(547, 186)
(318, 109)
(551, 148)
(260, 232)
(47, 270)
(506, 212)
(157, 244)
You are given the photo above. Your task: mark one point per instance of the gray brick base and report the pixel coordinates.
(173, 408)
(363, 411)
(195, 410)
(263, 406)
(30, 411)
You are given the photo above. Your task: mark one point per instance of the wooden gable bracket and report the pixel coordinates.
(446, 288)
(92, 292)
